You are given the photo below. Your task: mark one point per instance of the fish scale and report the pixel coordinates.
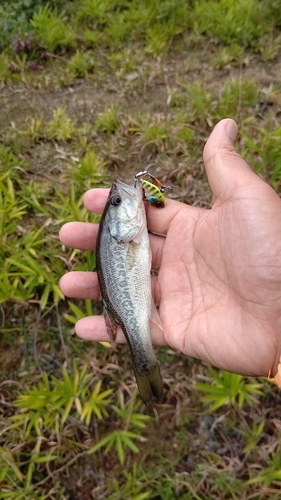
(123, 268)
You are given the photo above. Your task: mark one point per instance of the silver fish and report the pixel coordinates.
(123, 262)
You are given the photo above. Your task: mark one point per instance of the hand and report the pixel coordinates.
(218, 287)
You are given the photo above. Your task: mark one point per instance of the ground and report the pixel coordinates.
(191, 451)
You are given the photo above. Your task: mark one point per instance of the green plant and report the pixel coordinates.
(8, 464)
(81, 64)
(158, 72)
(236, 94)
(228, 388)
(42, 425)
(271, 475)
(123, 439)
(118, 29)
(253, 435)
(109, 121)
(157, 38)
(51, 28)
(13, 18)
(269, 46)
(61, 127)
(185, 134)
(231, 21)
(95, 10)
(47, 405)
(268, 153)
(175, 98)
(224, 482)
(200, 100)
(230, 54)
(35, 129)
(132, 489)
(4, 68)
(77, 312)
(89, 171)
(9, 163)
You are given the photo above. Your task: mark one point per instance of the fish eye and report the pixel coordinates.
(159, 204)
(115, 200)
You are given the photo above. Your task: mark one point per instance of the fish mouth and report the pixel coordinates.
(122, 186)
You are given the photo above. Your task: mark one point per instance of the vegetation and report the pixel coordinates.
(91, 90)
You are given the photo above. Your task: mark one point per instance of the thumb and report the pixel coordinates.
(225, 168)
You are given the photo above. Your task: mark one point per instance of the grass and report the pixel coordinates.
(92, 90)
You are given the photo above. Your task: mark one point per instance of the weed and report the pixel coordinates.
(185, 134)
(172, 66)
(51, 29)
(235, 94)
(268, 153)
(253, 435)
(200, 100)
(89, 171)
(118, 29)
(35, 129)
(272, 472)
(230, 54)
(44, 410)
(81, 64)
(61, 127)
(109, 121)
(123, 439)
(175, 98)
(68, 207)
(157, 38)
(4, 68)
(228, 388)
(132, 489)
(231, 21)
(95, 10)
(269, 46)
(272, 11)
(124, 64)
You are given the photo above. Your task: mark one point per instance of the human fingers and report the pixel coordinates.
(94, 328)
(226, 169)
(80, 284)
(95, 199)
(82, 235)
(84, 285)
(158, 220)
(157, 245)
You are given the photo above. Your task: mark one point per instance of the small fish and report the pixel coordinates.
(153, 189)
(123, 260)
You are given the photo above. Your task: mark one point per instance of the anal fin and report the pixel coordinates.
(111, 324)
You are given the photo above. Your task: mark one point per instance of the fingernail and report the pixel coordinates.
(231, 130)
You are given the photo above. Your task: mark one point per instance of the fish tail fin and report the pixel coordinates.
(150, 385)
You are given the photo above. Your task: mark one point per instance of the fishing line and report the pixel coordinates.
(241, 66)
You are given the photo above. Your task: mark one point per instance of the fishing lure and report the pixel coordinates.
(153, 189)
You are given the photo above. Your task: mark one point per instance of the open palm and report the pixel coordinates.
(218, 286)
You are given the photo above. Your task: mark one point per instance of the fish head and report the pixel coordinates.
(126, 212)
